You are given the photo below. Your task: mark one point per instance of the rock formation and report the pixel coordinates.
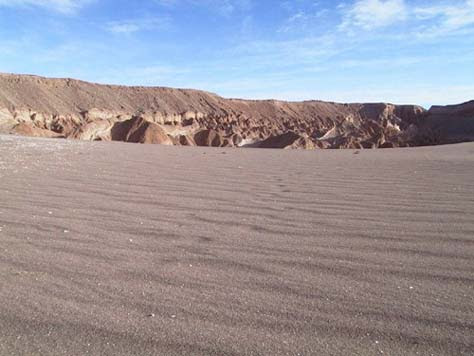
(138, 130)
(446, 124)
(36, 106)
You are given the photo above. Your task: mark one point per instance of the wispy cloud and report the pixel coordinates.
(302, 21)
(448, 18)
(373, 14)
(223, 7)
(136, 25)
(61, 6)
(433, 20)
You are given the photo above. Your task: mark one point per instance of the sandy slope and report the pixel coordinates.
(120, 249)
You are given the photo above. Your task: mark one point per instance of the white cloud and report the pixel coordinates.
(136, 25)
(449, 18)
(436, 19)
(372, 14)
(223, 7)
(302, 21)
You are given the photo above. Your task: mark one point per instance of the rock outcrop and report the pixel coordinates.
(208, 137)
(37, 106)
(287, 140)
(138, 130)
(26, 129)
(446, 124)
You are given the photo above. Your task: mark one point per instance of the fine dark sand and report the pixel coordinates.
(122, 249)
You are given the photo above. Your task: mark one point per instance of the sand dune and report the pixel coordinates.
(122, 249)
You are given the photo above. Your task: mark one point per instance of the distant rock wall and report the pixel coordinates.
(67, 108)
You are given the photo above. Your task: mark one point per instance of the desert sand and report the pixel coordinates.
(122, 249)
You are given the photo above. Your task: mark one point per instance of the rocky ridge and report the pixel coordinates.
(37, 106)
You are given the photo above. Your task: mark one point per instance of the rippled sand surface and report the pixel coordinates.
(122, 249)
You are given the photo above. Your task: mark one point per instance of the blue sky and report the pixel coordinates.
(401, 51)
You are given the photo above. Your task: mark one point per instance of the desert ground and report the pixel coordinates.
(123, 249)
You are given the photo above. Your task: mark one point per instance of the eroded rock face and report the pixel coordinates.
(209, 138)
(25, 129)
(138, 130)
(446, 124)
(289, 139)
(74, 109)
